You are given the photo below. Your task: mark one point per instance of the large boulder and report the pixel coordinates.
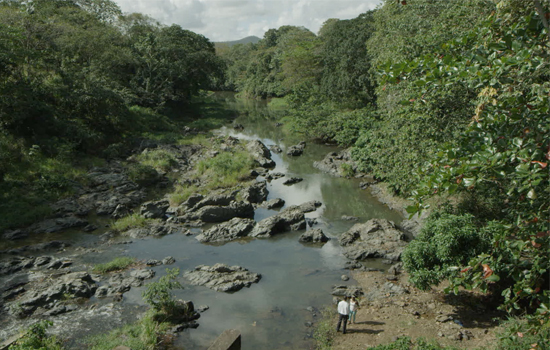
(154, 209)
(290, 219)
(222, 278)
(57, 224)
(314, 236)
(260, 153)
(211, 213)
(333, 162)
(257, 193)
(377, 238)
(296, 150)
(48, 293)
(227, 231)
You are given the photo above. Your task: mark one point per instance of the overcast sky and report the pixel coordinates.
(225, 20)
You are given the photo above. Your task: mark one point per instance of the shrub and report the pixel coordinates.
(519, 334)
(117, 264)
(36, 338)
(446, 241)
(142, 335)
(158, 294)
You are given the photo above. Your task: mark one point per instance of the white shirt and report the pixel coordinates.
(343, 308)
(352, 306)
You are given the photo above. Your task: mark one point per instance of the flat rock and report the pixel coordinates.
(221, 277)
(290, 219)
(227, 231)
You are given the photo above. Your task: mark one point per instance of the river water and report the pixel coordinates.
(272, 313)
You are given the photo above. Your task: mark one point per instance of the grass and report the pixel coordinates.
(131, 221)
(200, 139)
(158, 159)
(115, 265)
(181, 193)
(324, 332)
(141, 335)
(405, 343)
(227, 169)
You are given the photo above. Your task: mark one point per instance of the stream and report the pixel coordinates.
(272, 314)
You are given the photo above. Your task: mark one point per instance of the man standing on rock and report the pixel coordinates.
(343, 312)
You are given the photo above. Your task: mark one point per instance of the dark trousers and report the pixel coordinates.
(340, 319)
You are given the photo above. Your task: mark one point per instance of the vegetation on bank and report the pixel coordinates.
(116, 264)
(150, 331)
(81, 82)
(456, 103)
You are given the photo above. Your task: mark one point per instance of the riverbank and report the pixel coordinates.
(464, 321)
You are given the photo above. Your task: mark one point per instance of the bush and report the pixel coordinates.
(446, 241)
(142, 335)
(117, 264)
(158, 294)
(36, 338)
(518, 335)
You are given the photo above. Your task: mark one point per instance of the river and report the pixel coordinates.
(271, 314)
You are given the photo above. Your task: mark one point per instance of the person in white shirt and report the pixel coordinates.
(343, 312)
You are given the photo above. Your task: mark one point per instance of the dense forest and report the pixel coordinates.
(446, 98)
(79, 82)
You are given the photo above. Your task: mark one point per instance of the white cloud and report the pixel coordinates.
(221, 20)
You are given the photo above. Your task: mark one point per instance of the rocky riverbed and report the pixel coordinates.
(48, 279)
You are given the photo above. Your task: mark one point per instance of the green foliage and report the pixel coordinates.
(517, 335)
(158, 294)
(181, 193)
(324, 332)
(504, 147)
(160, 159)
(142, 174)
(405, 343)
(141, 335)
(226, 169)
(36, 339)
(445, 241)
(116, 264)
(130, 221)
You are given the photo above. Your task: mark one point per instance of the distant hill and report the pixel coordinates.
(248, 39)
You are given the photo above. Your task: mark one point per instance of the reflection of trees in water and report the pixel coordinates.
(343, 197)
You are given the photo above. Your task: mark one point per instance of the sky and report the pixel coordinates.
(226, 20)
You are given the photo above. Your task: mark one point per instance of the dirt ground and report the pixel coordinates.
(464, 321)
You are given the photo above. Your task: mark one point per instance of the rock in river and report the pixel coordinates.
(228, 231)
(222, 278)
(314, 236)
(377, 238)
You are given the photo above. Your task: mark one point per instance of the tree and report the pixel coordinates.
(504, 149)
